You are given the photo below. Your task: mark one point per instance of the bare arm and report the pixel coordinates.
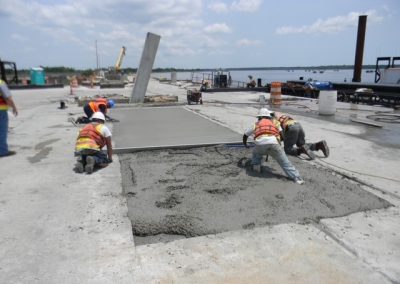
(109, 148)
(11, 103)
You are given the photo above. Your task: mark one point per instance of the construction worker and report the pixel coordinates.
(6, 101)
(91, 139)
(294, 138)
(252, 83)
(98, 105)
(267, 135)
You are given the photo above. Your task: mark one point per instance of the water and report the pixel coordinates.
(268, 76)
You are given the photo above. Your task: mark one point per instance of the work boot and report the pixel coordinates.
(79, 167)
(9, 153)
(323, 146)
(305, 150)
(89, 164)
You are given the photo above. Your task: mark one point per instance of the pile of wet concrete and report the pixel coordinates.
(178, 193)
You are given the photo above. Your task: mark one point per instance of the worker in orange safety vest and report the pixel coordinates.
(91, 139)
(267, 135)
(100, 104)
(294, 138)
(6, 101)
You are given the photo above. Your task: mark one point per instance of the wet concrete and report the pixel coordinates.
(207, 190)
(43, 151)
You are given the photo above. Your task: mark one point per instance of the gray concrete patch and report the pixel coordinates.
(168, 126)
(208, 190)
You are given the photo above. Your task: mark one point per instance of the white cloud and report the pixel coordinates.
(218, 7)
(331, 25)
(247, 42)
(246, 5)
(114, 22)
(217, 28)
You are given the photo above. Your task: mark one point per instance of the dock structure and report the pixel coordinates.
(383, 94)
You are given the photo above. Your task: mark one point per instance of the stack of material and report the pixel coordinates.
(161, 99)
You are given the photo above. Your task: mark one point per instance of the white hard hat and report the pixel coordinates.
(98, 115)
(264, 112)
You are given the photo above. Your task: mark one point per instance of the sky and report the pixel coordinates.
(196, 33)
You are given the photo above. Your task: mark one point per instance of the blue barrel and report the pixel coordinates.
(320, 85)
(37, 76)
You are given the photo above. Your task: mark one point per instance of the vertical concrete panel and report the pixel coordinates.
(145, 67)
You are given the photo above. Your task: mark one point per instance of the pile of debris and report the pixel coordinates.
(161, 99)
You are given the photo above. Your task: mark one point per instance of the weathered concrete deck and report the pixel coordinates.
(59, 226)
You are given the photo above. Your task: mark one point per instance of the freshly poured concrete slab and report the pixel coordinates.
(165, 127)
(208, 190)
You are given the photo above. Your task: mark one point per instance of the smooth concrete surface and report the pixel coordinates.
(166, 126)
(287, 253)
(60, 227)
(362, 231)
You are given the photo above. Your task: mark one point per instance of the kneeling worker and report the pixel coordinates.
(98, 105)
(293, 134)
(266, 133)
(91, 139)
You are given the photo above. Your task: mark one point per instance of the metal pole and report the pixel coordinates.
(362, 25)
(97, 58)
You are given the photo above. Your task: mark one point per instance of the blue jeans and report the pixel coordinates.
(3, 132)
(99, 157)
(276, 152)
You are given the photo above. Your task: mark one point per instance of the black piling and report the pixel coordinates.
(362, 25)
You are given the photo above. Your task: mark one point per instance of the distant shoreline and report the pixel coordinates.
(62, 69)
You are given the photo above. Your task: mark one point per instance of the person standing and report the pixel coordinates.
(6, 101)
(267, 133)
(294, 138)
(91, 139)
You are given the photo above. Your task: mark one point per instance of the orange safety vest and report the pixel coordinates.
(95, 106)
(286, 121)
(3, 102)
(101, 101)
(90, 137)
(266, 127)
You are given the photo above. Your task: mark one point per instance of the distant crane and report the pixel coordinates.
(120, 59)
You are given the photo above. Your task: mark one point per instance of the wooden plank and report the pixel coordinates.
(367, 122)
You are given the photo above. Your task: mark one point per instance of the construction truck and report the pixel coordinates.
(120, 59)
(8, 72)
(114, 77)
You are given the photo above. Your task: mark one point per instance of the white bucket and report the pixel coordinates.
(173, 77)
(262, 99)
(327, 102)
